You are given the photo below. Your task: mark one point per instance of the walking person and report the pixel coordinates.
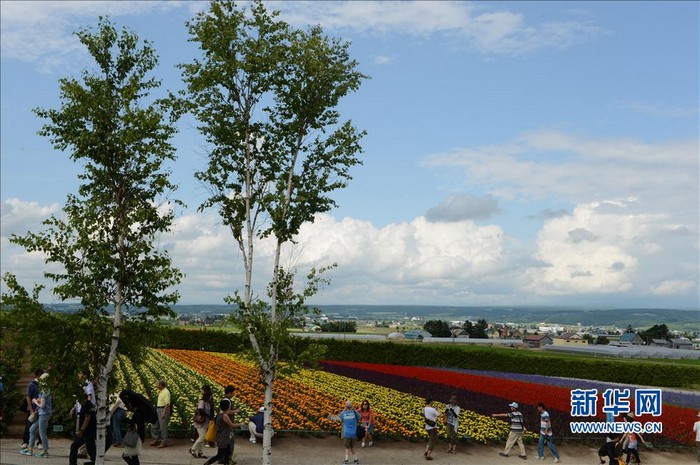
(117, 412)
(350, 419)
(89, 390)
(87, 432)
(31, 394)
(367, 420)
(696, 430)
(201, 421)
(159, 430)
(517, 428)
(137, 424)
(40, 426)
(546, 434)
(224, 433)
(630, 442)
(452, 424)
(430, 416)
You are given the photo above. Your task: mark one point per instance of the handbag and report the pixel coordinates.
(360, 432)
(198, 417)
(33, 417)
(211, 432)
(131, 438)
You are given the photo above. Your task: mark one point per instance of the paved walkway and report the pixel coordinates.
(329, 450)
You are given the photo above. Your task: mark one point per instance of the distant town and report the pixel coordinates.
(646, 333)
(545, 334)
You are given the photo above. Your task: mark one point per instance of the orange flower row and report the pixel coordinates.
(296, 407)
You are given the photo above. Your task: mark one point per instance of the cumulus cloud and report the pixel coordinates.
(19, 216)
(598, 251)
(421, 261)
(419, 258)
(463, 207)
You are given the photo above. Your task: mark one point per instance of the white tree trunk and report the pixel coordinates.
(267, 430)
(102, 382)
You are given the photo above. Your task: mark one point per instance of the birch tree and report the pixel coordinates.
(266, 95)
(105, 243)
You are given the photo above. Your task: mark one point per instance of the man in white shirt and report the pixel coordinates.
(517, 429)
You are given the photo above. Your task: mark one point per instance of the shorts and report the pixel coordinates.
(432, 437)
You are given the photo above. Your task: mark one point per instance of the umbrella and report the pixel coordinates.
(133, 400)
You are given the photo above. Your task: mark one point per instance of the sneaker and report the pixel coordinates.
(40, 446)
(43, 455)
(25, 451)
(502, 454)
(253, 440)
(345, 462)
(24, 445)
(540, 458)
(356, 462)
(556, 460)
(363, 444)
(371, 444)
(524, 457)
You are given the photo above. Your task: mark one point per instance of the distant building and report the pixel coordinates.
(681, 343)
(631, 339)
(459, 332)
(395, 336)
(553, 328)
(417, 334)
(659, 343)
(537, 340)
(569, 339)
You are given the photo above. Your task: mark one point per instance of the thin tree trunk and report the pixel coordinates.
(102, 381)
(267, 430)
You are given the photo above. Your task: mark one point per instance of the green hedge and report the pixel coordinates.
(210, 340)
(642, 373)
(517, 361)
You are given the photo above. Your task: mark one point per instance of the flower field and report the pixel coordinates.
(490, 393)
(304, 400)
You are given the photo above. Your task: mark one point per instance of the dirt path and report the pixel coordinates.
(292, 450)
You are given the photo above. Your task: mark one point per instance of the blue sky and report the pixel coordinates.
(540, 153)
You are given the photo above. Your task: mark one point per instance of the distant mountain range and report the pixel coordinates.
(637, 317)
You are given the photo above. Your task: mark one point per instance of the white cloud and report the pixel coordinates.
(674, 287)
(576, 169)
(42, 32)
(381, 60)
(19, 216)
(481, 27)
(601, 248)
(660, 110)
